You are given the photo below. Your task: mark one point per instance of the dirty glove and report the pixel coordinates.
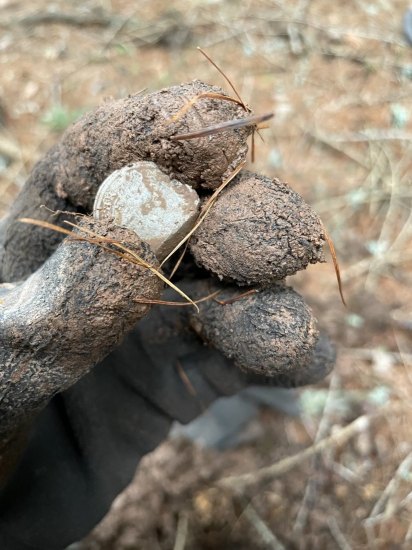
(62, 315)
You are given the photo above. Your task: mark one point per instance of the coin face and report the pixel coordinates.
(142, 198)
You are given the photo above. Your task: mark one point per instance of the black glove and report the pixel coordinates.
(83, 448)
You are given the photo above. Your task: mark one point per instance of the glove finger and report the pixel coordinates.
(89, 440)
(321, 363)
(270, 333)
(259, 231)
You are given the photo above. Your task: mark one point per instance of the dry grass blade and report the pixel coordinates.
(224, 127)
(178, 304)
(225, 77)
(335, 264)
(237, 298)
(261, 127)
(51, 226)
(237, 94)
(205, 210)
(257, 131)
(179, 261)
(73, 236)
(204, 95)
(181, 531)
(128, 254)
(63, 212)
(185, 379)
(262, 529)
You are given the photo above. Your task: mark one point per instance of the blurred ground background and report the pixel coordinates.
(338, 75)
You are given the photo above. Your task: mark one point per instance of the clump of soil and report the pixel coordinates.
(271, 332)
(259, 231)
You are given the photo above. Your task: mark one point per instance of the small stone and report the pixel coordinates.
(140, 197)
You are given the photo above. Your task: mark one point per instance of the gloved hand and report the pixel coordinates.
(64, 463)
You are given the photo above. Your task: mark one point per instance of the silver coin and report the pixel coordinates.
(160, 210)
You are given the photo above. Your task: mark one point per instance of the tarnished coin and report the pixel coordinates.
(140, 197)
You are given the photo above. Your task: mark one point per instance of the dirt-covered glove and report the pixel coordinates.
(62, 315)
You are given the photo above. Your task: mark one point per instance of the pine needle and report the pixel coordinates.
(139, 261)
(224, 127)
(207, 95)
(237, 94)
(237, 298)
(215, 65)
(178, 304)
(47, 225)
(335, 264)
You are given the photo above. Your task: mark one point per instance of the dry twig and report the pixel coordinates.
(266, 534)
(241, 483)
(181, 531)
(384, 506)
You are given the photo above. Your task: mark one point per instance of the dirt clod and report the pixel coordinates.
(282, 236)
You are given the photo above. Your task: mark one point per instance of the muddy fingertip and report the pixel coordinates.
(271, 332)
(259, 231)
